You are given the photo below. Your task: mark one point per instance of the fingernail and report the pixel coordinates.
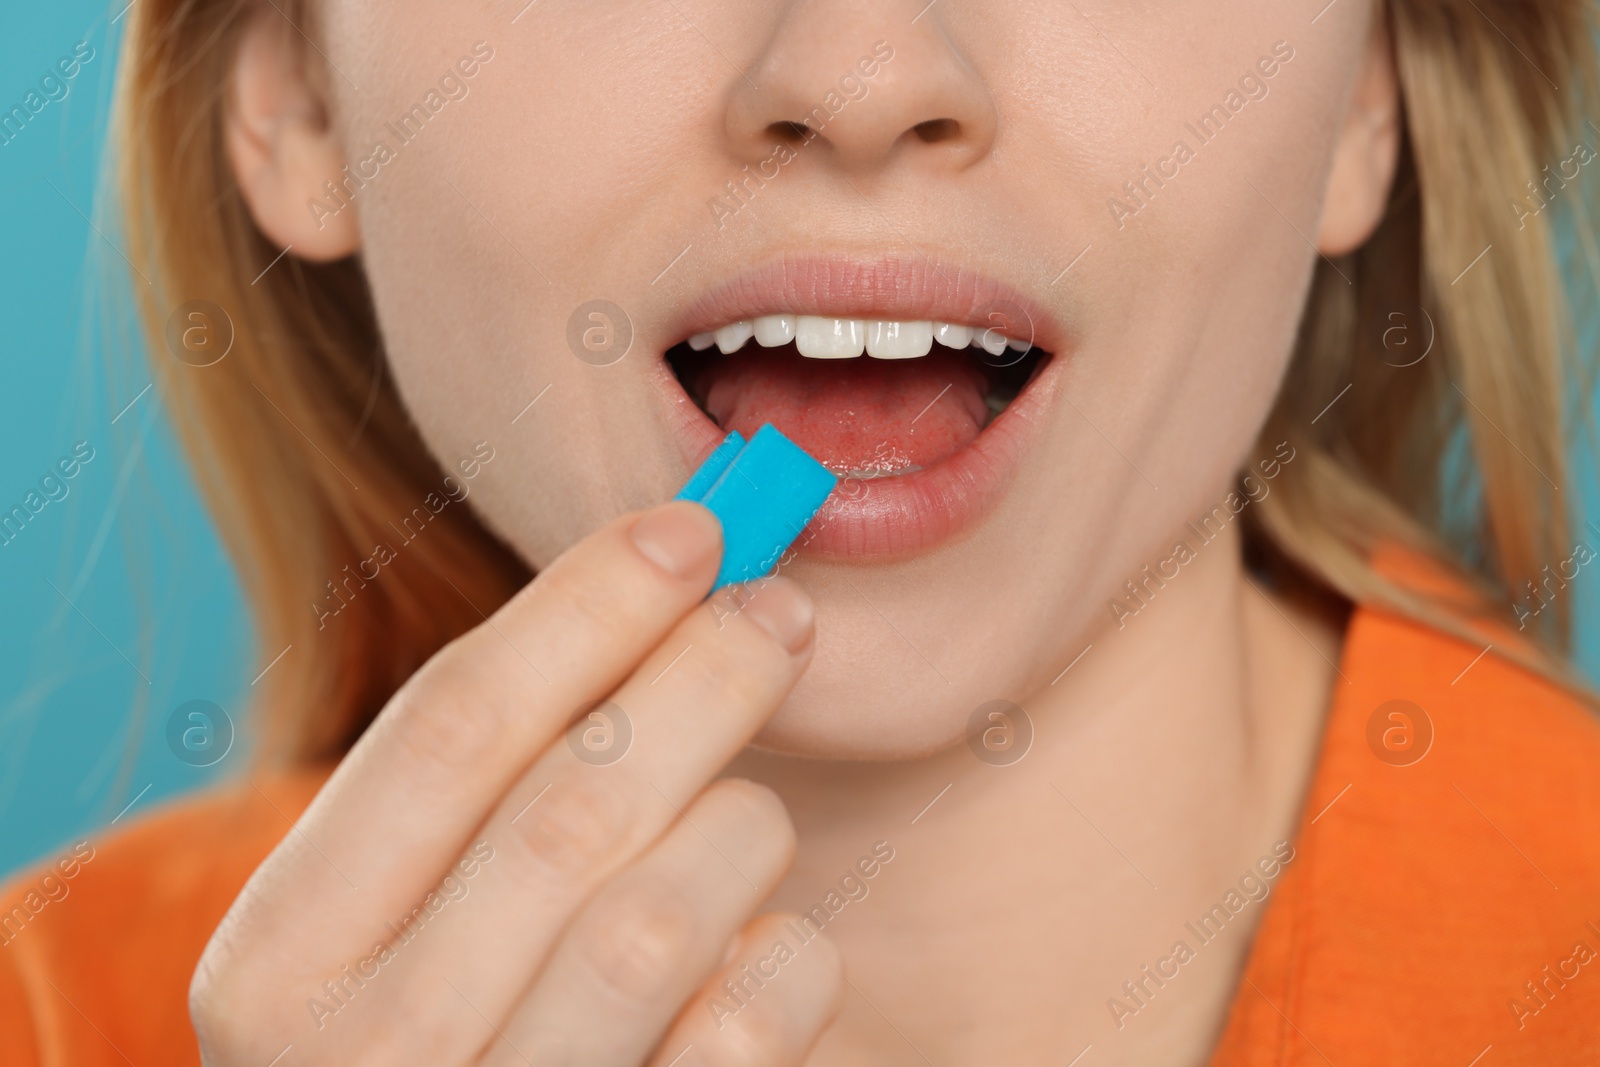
(681, 538)
(782, 608)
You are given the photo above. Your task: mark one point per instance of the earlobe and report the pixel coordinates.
(282, 146)
(1367, 151)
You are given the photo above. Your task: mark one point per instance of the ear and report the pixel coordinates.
(282, 146)
(1368, 148)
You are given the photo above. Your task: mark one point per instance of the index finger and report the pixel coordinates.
(396, 813)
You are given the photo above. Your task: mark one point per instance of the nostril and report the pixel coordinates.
(935, 130)
(790, 132)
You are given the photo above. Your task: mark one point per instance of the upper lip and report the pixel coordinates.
(883, 286)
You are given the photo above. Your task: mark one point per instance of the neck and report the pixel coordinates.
(1033, 908)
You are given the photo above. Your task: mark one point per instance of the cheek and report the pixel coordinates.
(1202, 210)
(1193, 290)
(516, 205)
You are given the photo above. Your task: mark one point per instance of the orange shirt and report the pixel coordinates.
(1441, 912)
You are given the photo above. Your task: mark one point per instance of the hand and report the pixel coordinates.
(467, 889)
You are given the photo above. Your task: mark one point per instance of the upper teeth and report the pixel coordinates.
(823, 338)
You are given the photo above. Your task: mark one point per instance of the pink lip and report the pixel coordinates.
(881, 518)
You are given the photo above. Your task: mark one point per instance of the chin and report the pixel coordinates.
(832, 715)
(881, 690)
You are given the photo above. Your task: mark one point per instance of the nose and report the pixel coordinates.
(867, 83)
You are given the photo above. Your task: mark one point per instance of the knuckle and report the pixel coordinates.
(444, 719)
(636, 945)
(588, 598)
(575, 831)
(725, 676)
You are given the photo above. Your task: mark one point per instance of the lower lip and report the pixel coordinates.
(900, 515)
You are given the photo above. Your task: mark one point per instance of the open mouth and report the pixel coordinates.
(868, 398)
(919, 380)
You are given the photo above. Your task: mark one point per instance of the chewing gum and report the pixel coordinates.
(763, 491)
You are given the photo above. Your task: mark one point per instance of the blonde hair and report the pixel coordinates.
(1465, 447)
(306, 454)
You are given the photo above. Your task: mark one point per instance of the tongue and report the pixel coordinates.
(864, 416)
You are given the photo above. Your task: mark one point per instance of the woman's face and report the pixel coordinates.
(1140, 189)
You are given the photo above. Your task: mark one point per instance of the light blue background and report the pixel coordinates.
(155, 616)
(145, 612)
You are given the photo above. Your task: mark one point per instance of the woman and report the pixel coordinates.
(1177, 675)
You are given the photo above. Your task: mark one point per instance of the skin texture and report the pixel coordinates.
(580, 163)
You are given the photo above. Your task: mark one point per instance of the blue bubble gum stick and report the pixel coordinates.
(705, 476)
(763, 491)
